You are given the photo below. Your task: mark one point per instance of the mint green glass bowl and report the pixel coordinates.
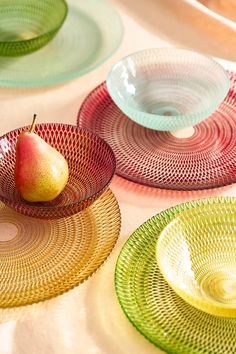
(27, 25)
(167, 88)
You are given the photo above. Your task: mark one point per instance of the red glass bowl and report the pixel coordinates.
(207, 159)
(91, 167)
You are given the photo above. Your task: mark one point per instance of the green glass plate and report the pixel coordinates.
(90, 34)
(154, 308)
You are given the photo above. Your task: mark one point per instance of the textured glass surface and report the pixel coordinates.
(196, 254)
(91, 164)
(48, 257)
(91, 33)
(158, 159)
(167, 88)
(27, 25)
(154, 308)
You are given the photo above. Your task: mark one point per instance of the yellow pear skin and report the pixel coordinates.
(41, 172)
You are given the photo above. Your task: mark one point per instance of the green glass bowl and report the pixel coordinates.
(27, 25)
(167, 88)
(196, 254)
(91, 33)
(154, 308)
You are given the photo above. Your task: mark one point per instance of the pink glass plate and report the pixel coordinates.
(207, 159)
(91, 167)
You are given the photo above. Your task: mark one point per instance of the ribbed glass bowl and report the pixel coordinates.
(27, 25)
(158, 159)
(152, 306)
(91, 33)
(91, 164)
(196, 253)
(167, 88)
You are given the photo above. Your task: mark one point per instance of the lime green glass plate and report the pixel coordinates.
(154, 308)
(90, 34)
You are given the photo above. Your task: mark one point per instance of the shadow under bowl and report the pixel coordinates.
(196, 253)
(91, 164)
(167, 88)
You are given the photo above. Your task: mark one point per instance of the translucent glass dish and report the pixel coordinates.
(27, 25)
(47, 258)
(156, 311)
(91, 164)
(167, 88)
(90, 34)
(158, 159)
(196, 253)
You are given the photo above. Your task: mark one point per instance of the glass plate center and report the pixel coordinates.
(8, 231)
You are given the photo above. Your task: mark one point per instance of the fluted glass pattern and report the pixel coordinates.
(48, 257)
(91, 164)
(196, 254)
(207, 159)
(167, 88)
(27, 25)
(90, 34)
(154, 308)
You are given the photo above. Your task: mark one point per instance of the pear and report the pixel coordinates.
(41, 172)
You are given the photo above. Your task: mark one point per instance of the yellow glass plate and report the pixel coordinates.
(196, 253)
(40, 259)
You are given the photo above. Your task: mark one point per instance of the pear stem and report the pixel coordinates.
(33, 124)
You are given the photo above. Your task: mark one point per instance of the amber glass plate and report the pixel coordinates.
(40, 259)
(207, 159)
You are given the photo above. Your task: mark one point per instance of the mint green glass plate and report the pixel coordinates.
(90, 34)
(154, 308)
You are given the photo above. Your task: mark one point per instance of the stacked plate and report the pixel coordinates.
(169, 116)
(175, 278)
(74, 39)
(161, 113)
(48, 248)
(54, 246)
